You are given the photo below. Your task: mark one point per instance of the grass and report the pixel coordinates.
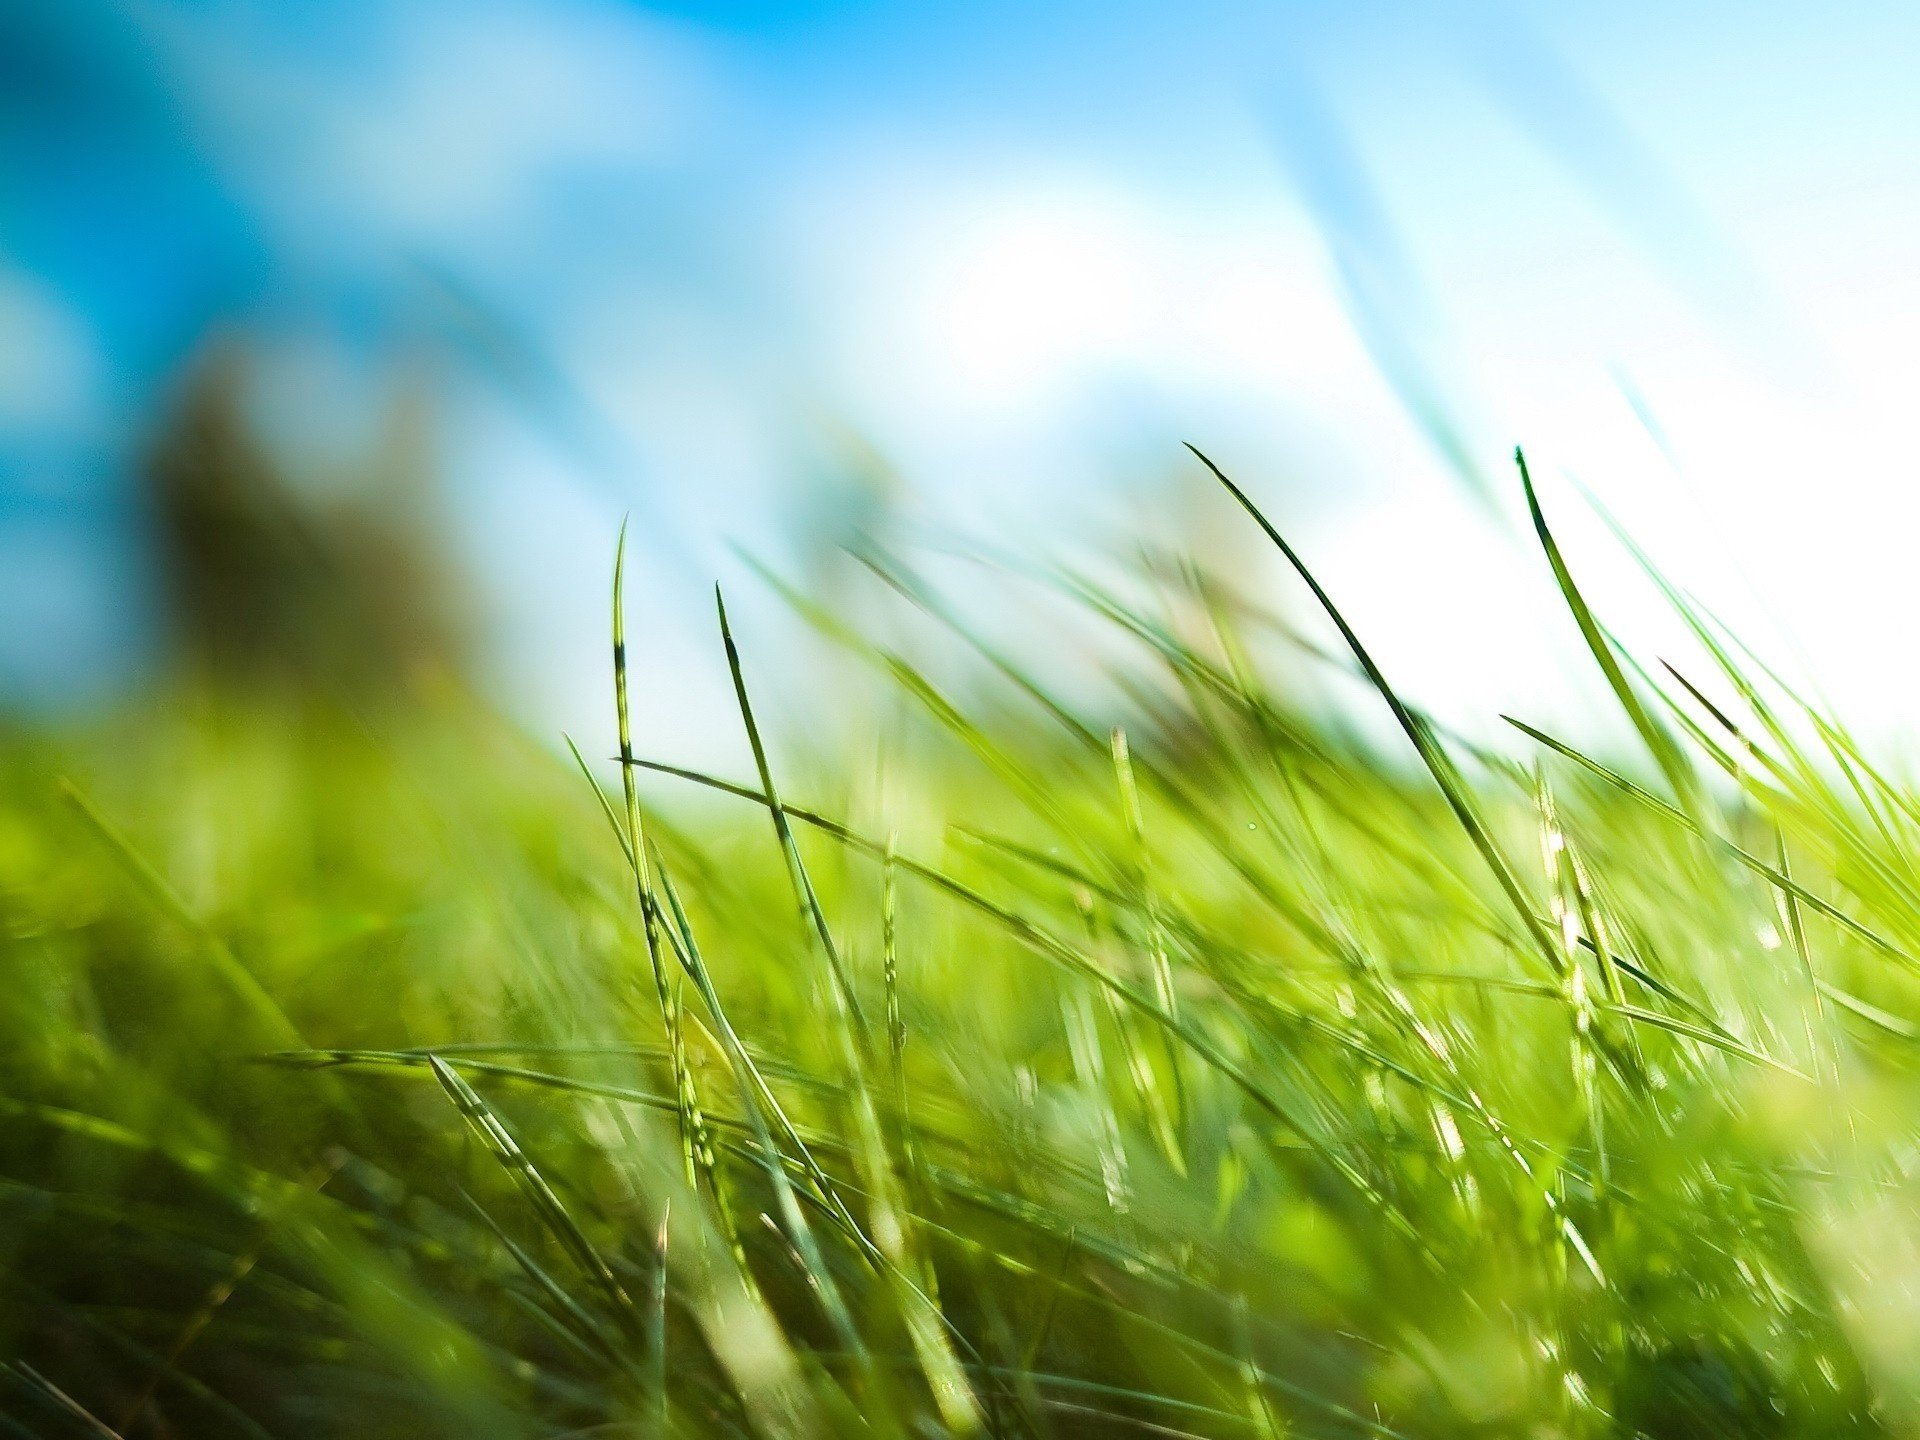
(368, 1072)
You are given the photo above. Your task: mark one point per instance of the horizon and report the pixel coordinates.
(703, 264)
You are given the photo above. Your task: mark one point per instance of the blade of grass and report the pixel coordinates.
(1666, 753)
(553, 1213)
(810, 912)
(1452, 789)
(1784, 883)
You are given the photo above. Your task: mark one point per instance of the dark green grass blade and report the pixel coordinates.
(1786, 884)
(811, 913)
(546, 1203)
(1452, 788)
(1666, 752)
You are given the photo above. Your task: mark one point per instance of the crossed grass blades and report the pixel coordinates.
(1206, 1075)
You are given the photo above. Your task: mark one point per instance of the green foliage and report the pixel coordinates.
(367, 1072)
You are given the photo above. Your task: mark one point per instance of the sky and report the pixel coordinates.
(696, 264)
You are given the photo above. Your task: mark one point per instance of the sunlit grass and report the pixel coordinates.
(370, 1072)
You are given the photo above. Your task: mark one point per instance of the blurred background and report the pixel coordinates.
(468, 281)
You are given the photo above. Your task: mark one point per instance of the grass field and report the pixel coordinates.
(372, 1072)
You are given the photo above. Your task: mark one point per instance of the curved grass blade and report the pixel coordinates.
(1786, 884)
(547, 1204)
(1666, 752)
(811, 913)
(1052, 948)
(1438, 764)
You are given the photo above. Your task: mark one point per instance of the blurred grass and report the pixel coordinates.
(366, 1074)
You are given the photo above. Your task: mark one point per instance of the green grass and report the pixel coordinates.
(369, 1071)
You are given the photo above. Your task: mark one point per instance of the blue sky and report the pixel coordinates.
(668, 260)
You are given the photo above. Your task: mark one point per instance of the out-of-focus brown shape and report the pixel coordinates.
(342, 584)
